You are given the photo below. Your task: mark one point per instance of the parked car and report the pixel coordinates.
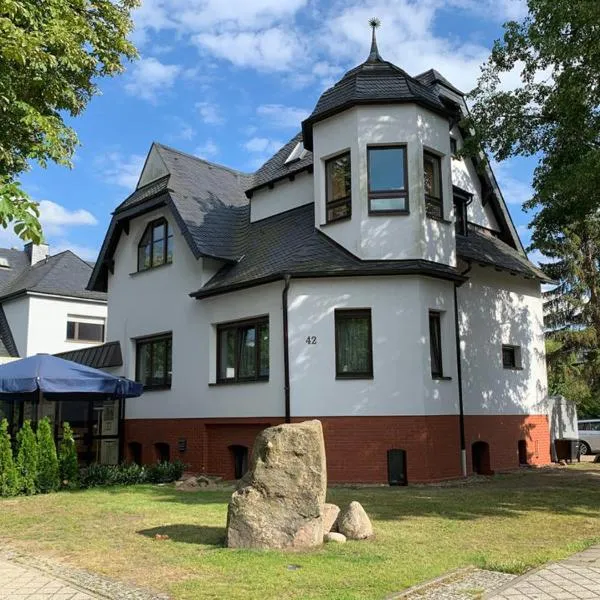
(589, 436)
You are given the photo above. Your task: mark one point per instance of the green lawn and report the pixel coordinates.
(510, 522)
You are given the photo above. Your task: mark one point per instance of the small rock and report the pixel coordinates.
(354, 522)
(203, 481)
(187, 485)
(330, 515)
(338, 538)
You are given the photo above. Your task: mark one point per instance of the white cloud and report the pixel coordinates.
(55, 217)
(262, 145)
(280, 116)
(514, 190)
(149, 78)
(207, 150)
(121, 170)
(85, 252)
(209, 113)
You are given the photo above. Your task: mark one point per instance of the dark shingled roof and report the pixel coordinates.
(275, 168)
(289, 243)
(63, 274)
(433, 77)
(375, 81)
(208, 203)
(98, 357)
(7, 342)
(481, 247)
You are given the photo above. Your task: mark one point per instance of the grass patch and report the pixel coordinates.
(509, 523)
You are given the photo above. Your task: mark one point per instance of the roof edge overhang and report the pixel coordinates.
(271, 182)
(419, 268)
(308, 123)
(489, 263)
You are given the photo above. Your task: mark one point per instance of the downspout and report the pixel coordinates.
(286, 348)
(461, 413)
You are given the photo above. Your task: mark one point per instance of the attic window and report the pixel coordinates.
(4, 263)
(156, 246)
(298, 153)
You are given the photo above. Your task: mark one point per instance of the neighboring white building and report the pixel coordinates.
(44, 304)
(364, 276)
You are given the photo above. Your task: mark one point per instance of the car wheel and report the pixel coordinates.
(584, 449)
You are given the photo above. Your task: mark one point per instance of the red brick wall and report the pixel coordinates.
(356, 446)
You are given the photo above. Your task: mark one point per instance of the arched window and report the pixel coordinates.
(156, 246)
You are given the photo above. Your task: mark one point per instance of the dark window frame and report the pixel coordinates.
(515, 363)
(152, 340)
(346, 201)
(76, 337)
(168, 236)
(460, 216)
(239, 326)
(341, 314)
(388, 194)
(453, 146)
(431, 202)
(435, 318)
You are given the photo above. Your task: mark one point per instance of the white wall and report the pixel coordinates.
(495, 309)
(402, 383)
(464, 175)
(285, 195)
(157, 301)
(386, 236)
(17, 315)
(48, 317)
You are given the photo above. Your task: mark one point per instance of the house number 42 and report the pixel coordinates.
(311, 340)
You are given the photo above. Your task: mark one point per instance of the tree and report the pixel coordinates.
(47, 476)
(9, 479)
(51, 56)
(27, 458)
(67, 459)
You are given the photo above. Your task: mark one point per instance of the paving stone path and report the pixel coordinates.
(576, 578)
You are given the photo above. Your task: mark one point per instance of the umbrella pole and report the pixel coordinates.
(38, 405)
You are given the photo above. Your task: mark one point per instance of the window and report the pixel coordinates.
(353, 344)
(153, 366)
(388, 179)
(156, 246)
(82, 331)
(435, 344)
(453, 146)
(432, 179)
(460, 216)
(511, 357)
(338, 182)
(243, 351)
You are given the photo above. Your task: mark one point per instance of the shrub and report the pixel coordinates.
(9, 477)
(47, 477)
(27, 458)
(68, 464)
(164, 472)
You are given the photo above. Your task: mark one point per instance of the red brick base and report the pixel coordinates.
(356, 446)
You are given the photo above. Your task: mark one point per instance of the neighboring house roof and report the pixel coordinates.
(98, 357)
(207, 201)
(432, 77)
(7, 342)
(375, 81)
(289, 243)
(63, 274)
(482, 247)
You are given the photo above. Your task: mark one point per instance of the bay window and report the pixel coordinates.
(338, 188)
(432, 180)
(388, 179)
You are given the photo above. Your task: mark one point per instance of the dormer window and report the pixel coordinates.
(388, 179)
(432, 180)
(338, 185)
(156, 246)
(298, 153)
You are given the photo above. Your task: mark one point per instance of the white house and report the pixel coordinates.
(363, 275)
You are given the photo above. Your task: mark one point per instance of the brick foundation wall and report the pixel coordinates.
(356, 446)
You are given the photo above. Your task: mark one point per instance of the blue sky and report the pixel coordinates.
(230, 81)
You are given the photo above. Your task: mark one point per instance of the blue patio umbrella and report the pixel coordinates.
(52, 375)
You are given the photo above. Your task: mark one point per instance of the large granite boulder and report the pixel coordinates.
(279, 502)
(354, 522)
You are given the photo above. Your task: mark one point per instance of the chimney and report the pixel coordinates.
(36, 252)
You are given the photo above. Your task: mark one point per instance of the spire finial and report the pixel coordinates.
(374, 54)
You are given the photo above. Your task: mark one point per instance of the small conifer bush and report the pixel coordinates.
(9, 478)
(27, 458)
(47, 476)
(67, 459)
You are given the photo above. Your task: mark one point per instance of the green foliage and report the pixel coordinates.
(9, 478)
(52, 54)
(47, 477)
(130, 474)
(27, 458)
(67, 459)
